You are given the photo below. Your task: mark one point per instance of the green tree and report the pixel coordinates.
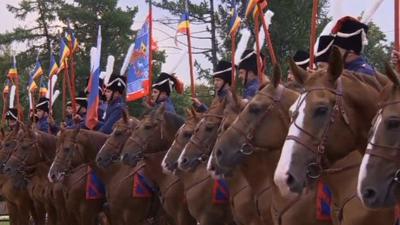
(378, 49)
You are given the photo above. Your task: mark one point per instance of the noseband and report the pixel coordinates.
(390, 153)
(317, 145)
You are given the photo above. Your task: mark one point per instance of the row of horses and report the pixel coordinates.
(272, 151)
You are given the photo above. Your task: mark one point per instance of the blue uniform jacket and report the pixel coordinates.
(251, 89)
(220, 95)
(360, 65)
(43, 125)
(113, 114)
(81, 123)
(169, 105)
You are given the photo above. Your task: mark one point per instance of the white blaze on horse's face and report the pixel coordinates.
(363, 173)
(281, 172)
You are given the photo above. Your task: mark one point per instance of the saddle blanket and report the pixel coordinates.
(220, 192)
(142, 186)
(95, 188)
(324, 200)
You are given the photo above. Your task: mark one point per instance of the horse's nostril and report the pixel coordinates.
(99, 159)
(369, 193)
(219, 152)
(290, 180)
(184, 161)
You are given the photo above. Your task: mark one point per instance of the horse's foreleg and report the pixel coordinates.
(12, 213)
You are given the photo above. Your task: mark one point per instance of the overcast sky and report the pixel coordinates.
(383, 18)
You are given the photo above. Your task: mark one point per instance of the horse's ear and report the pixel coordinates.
(76, 131)
(236, 99)
(188, 112)
(392, 75)
(276, 75)
(335, 67)
(161, 109)
(3, 134)
(125, 115)
(299, 73)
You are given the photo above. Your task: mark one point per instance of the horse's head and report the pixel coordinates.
(170, 161)
(8, 145)
(198, 148)
(379, 176)
(111, 150)
(329, 120)
(26, 155)
(261, 126)
(69, 154)
(154, 133)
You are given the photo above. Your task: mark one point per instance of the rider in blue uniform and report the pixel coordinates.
(45, 123)
(114, 92)
(248, 73)
(162, 89)
(351, 36)
(81, 103)
(12, 119)
(222, 82)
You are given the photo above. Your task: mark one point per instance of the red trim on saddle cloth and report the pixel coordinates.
(220, 192)
(95, 188)
(324, 201)
(140, 187)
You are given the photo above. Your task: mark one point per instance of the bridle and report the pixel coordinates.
(116, 148)
(68, 158)
(248, 146)
(201, 146)
(386, 152)
(317, 145)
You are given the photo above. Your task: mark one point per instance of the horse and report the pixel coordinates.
(70, 168)
(329, 120)
(192, 162)
(145, 149)
(379, 172)
(19, 204)
(29, 165)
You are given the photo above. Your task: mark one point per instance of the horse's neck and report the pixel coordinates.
(343, 183)
(48, 143)
(92, 142)
(107, 174)
(259, 169)
(41, 170)
(154, 171)
(191, 179)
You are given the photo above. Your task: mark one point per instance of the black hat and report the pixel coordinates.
(12, 114)
(350, 34)
(81, 99)
(69, 103)
(302, 59)
(116, 83)
(248, 61)
(166, 82)
(224, 71)
(324, 47)
(43, 104)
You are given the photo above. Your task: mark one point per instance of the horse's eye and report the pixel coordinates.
(67, 149)
(321, 111)
(255, 109)
(118, 133)
(148, 126)
(187, 134)
(209, 128)
(393, 123)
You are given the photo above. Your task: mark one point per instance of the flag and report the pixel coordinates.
(251, 4)
(53, 69)
(12, 72)
(184, 23)
(72, 40)
(235, 19)
(138, 84)
(37, 71)
(93, 87)
(32, 86)
(64, 54)
(43, 87)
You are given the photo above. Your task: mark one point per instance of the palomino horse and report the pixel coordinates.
(245, 144)
(379, 177)
(20, 206)
(145, 150)
(197, 181)
(330, 119)
(29, 164)
(119, 191)
(70, 168)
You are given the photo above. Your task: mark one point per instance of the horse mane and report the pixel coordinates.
(93, 137)
(377, 82)
(48, 140)
(175, 120)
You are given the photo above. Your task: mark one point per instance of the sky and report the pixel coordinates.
(177, 61)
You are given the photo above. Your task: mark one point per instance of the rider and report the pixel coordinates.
(162, 88)
(323, 50)
(222, 82)
(81, 101)
(114, 92)
(351, 36)
(248, 73)
(69, 120)
(45, 123)
(12, 118)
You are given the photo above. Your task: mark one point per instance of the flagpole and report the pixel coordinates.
(258, 50)
(20, 116)
(313, 32)
(64, 96)
(267, 35)
(68, 81)
(150, 48)
(397, 28)
(72, 80)
(233, 39)
(193, 88)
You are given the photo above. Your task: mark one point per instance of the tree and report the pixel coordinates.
(378, 50)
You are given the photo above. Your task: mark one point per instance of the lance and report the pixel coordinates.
(192, 88)
(266, 30)
(313, 32)
(151, 47)
(397, 29)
